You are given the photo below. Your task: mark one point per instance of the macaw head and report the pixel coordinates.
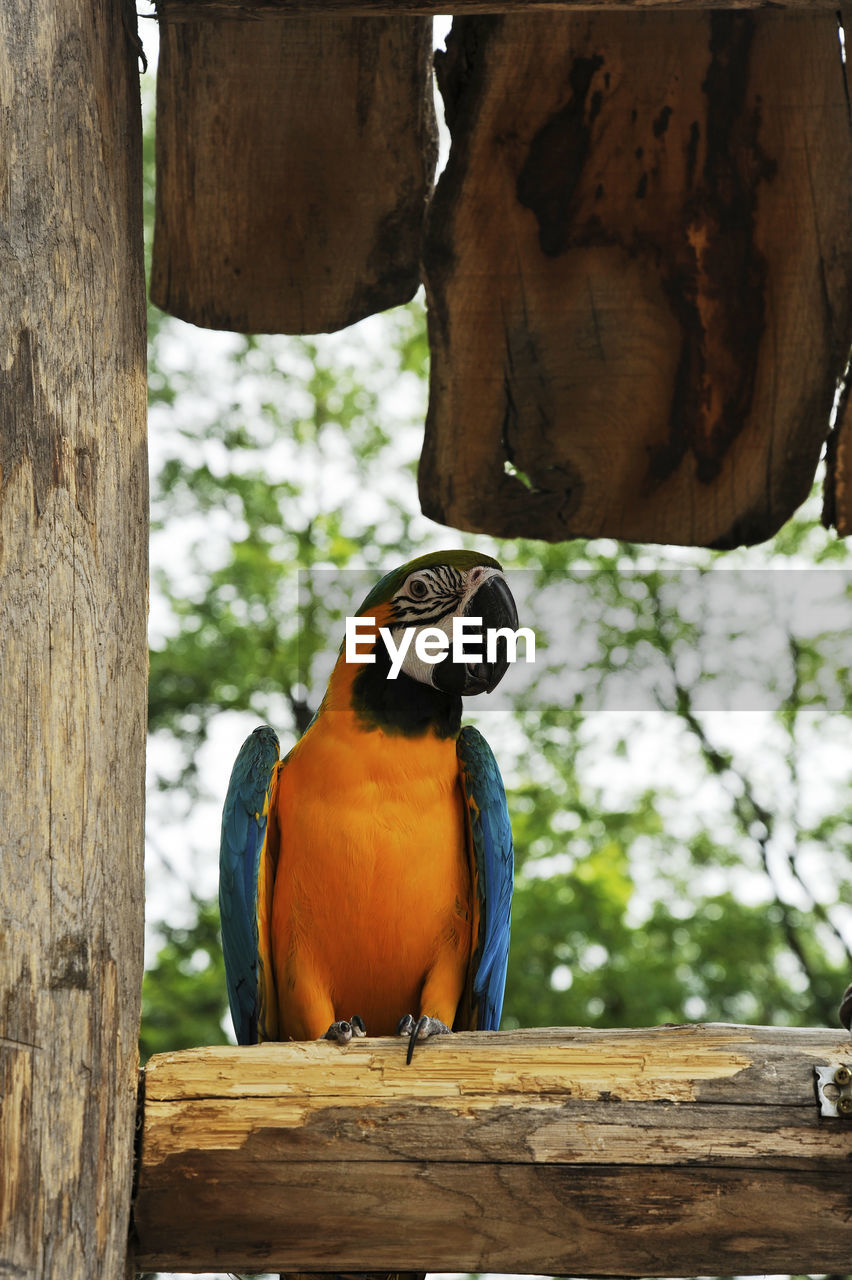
(428, 595)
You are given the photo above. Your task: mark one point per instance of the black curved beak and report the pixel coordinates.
(494, 603)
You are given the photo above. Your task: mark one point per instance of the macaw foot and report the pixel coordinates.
(420, 1029)
(342, 1032)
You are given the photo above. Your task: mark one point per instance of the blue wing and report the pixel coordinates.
(493, 874)
(244, 830)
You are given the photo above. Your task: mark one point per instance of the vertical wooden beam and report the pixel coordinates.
(73, 563)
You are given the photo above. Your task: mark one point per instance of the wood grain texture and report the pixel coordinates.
(638, 268)
(196, 10)
(837, 487)
(294, 165)
(671, 1151)
(73, 658)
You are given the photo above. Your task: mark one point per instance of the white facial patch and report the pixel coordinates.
(411, 653)
(474, 580)
(434, 639)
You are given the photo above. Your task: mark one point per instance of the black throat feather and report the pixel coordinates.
(403, 705)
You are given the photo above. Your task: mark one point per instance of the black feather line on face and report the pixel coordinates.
(446, 590)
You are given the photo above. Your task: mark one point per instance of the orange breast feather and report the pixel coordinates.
(371, 901)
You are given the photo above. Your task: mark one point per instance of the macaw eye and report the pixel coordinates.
(418, 589)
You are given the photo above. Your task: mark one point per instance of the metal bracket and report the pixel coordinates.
(834, 1090)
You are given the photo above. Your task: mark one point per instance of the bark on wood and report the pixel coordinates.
(294, 164)
(673, 1151)
(73, 560)
(638, 268)
(196, 10)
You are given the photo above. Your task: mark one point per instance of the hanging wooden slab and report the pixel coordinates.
(294, 163)
(638, 266)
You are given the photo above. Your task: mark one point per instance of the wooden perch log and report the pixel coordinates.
(673, 1151)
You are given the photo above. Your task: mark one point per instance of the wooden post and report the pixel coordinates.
(675, 1151)
(73, 560)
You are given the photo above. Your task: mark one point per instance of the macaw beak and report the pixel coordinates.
(494, 603)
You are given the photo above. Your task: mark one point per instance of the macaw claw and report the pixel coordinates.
(342, 1032)
(422, 1029)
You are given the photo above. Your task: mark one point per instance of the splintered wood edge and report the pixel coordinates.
(685, 1063)
(565, 1151)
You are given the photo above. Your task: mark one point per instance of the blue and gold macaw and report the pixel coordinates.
(370, 872)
